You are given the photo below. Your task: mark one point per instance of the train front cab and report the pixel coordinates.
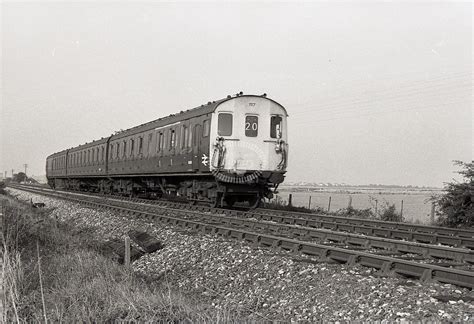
(249, 143)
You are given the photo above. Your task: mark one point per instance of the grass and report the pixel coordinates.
(53, 273)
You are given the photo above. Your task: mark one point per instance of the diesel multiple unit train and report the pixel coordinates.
(230, 150)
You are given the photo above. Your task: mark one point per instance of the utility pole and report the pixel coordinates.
(26, 166)
(12, 172)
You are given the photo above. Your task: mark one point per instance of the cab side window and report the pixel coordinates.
(207, 128)
(224, 125)
(275, 126)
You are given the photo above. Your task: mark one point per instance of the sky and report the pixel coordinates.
(376, 92)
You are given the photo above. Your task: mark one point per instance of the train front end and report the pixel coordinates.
(249, 148)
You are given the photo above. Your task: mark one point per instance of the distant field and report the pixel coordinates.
(416, 206)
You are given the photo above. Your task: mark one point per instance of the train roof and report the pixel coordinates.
(171, 119)
(183, 115)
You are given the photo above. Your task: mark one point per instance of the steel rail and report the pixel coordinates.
(310, 233)
(328, 223)
(460, 232)
(427, 229)
(388, 265)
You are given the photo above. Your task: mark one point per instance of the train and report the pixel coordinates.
(232, 150)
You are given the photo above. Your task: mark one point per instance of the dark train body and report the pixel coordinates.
(234, 149)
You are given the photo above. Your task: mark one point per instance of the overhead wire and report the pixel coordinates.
(358, 84)
(357, 106)
(432, 107)
(385, 93)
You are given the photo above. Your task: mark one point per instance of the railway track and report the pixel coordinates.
(461, 238)
(302, 239)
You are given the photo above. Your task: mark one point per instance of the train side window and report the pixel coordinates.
(150, 138)
(140, 145)
(93, 156)
(124, 155)
(190, 136)
(275, 126)
(111, 152)
(88, 156)
(161, 140)
(97, 157)
(102, 154)
(224, 125)
(207, 128)
(184, 136)
(172, 138)
(132, 146)
(251, 126)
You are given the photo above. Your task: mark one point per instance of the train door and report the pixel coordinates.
(197, 138)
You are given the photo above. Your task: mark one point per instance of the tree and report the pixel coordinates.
(456, 205)
(20, 177)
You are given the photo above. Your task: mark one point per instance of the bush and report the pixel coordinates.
(390, 214)
(455, 206)
(356, 213)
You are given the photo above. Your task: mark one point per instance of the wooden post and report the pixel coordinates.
(349, 205)
(126, 260)
(329, 204)
(376, 205)
(309, 203)
(432, 216)
(290, 198)
(401, 210)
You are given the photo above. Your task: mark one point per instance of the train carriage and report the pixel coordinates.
(234, 149)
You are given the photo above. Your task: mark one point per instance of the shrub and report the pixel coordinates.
(356, 213)
(455, 206)
(390, 214)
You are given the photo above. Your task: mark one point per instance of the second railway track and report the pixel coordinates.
(300, 239)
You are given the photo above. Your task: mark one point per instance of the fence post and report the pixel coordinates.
(432, 212)
(329, 204)
(309, 203)
(376, 205)
(349, 205)
(401, 210)
(290, 198)
(126, 260)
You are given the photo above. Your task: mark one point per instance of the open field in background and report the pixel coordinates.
(416, 204)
